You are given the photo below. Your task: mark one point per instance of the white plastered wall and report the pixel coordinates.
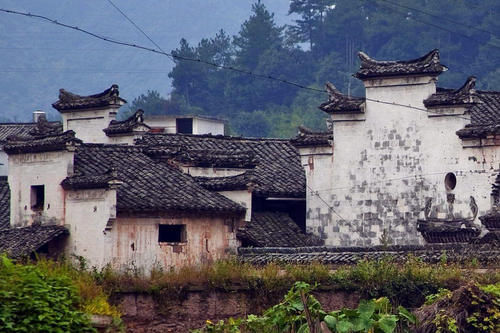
(387, 166)
(88, 124)
(206, 126)
(48, 169)
(87, 214)
(4, 163)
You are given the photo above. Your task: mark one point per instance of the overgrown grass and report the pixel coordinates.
(405, 283)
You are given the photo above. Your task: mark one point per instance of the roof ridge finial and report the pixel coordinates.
(469, 85)
(332, 90)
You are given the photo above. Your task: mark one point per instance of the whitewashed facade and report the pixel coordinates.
(392, 152)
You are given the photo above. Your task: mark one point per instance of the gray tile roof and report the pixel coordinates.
(485, 116)
(69, 101)
(30, 144)
(21, 242)
(427, 64)
(448, 231)
(205, 157)
(448, 97)
(278, 171)
(340, 103)
(484, 253)
(274, 229)
(89, 181)
(126, 126)
(148, 185)
(4, 203)
(308, 138)
(15, 129)
(27, 129)
(487, 111)
(230, 183)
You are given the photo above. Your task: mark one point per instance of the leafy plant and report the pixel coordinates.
(442, 293)
(33, 299)
(301, 312)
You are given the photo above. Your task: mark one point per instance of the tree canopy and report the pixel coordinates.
(321, 46)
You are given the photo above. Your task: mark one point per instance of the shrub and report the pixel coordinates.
(34, 299)
(301, 312)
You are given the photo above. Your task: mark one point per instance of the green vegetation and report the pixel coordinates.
(405, 284)
(301, 312)
(471, 308)
(49, 296)
(59, 296)
(321, 46)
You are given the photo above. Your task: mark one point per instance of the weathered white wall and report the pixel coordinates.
(385, 167)
(166, 122)
(87, 213)
(317, 163)
(135, 242)
(206, 126)
(89, 124)
(4, 163)
(242, 197)
(49, 169)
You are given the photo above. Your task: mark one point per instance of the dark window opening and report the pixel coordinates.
(172, 233)
(450, 181)
(184, 125)
(295, 209)
(37, 197)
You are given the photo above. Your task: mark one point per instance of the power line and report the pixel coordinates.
(326, 203)
(439, 17)
(177, 57)
(113, 41)
(418, 177)
(135, 25)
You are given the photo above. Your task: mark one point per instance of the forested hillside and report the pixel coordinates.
(321, 45)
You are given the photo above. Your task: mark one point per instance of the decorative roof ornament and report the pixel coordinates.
(69, 101)
(428, 64)
(309, 138)
(134, 123)
(340, 103)
(464, 95)
(30, 144)
(45, 128)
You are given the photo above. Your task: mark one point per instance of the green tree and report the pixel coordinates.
(257, 35)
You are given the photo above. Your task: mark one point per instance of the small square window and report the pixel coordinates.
(172, 233)
(37, 197)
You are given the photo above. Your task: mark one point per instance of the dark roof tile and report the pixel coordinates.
(147, 185)
(427, 64)
(128, 125)
(308, 138)
(486, 254)
(30, 144)
(229, 183)
(278, 171)
(29, 129)
(274, 229)
(4, 203)
(448, 97)
(21, 242)
(69, 101)
(340, 103)
(89, 181)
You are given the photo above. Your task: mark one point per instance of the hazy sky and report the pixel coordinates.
(38, 58)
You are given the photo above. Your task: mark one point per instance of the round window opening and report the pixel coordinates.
(450, 181)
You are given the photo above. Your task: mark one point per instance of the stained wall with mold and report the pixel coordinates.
(136, 243)
(390, 160)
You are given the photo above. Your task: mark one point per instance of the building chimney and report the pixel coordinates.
(37, 114)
